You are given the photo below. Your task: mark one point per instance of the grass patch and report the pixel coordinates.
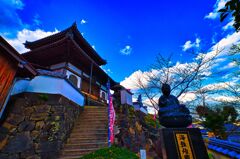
(111, 153)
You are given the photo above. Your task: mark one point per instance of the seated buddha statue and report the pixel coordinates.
(171, 113)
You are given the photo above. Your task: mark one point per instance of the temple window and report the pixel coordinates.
(103, 95)
(73, 79)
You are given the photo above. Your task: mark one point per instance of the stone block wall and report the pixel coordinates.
(36, 126)
(135, 133)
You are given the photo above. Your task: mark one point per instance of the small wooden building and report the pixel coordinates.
(67, 52)
(12, 65)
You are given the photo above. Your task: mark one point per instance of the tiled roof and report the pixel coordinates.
(225, 147)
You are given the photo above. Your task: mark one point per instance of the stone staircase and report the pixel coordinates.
(90, 133)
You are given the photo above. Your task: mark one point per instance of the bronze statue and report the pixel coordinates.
(171, 113)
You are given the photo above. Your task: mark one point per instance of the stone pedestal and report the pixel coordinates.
(182, 143)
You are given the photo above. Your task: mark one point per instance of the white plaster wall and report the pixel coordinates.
(126, 98)
(51, 85)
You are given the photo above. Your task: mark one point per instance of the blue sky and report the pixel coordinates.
(128, 34)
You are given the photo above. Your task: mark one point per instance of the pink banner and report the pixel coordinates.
(111, 120)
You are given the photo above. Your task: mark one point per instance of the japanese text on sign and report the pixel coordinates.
(184, 147)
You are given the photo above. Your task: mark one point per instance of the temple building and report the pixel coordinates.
(55, 96)
(69, 55)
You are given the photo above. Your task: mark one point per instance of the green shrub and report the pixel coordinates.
(151, 122)
(113, 152)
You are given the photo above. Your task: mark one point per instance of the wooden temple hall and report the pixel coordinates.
(67, 53)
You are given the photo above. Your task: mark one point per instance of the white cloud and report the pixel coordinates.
(214, 38)
(18, 4)
(107, 70)
(154, 102)
(216, 86)
(218, 5)
(189, 44)
(83, 21)
(28, 35)
(224, 43)
(131, 81)
(9, 19)
(36, 20)
(227, 42)
(229, 65)
(229, 25)
(126, 50)
(221, 48)
(225, 99)
(187, 97)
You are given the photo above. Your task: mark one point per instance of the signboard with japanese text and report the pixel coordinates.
(184, 146)
(182, 143)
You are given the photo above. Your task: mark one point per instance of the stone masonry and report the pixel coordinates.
(36, 126)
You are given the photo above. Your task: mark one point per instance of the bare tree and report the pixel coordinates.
(233, 88)
(182, 77)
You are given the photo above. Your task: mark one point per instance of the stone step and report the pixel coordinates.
(86, 134)
(90, 133)
(80, 151)
(93, 117)
(95, 125)
(86, 139)
(95, 110)
(95, 107)
(93, 122)
(85, 145)
(90, 113)
(70, 157)
(91, 130)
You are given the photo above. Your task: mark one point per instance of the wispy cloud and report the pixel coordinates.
(28, 35)
(83, 21)
(227, 42)
(9, 19)
(126, 50)
(229, 25)
(189, 44)
(214, 38)
(36, 20)
(187, 97)
(218, 5)
(107, 70)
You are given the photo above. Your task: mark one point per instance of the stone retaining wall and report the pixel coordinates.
(36, 126)
(135, 133)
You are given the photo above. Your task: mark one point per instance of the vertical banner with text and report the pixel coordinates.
(111, 117)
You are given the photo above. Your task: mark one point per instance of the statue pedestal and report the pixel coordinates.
(182, 143)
